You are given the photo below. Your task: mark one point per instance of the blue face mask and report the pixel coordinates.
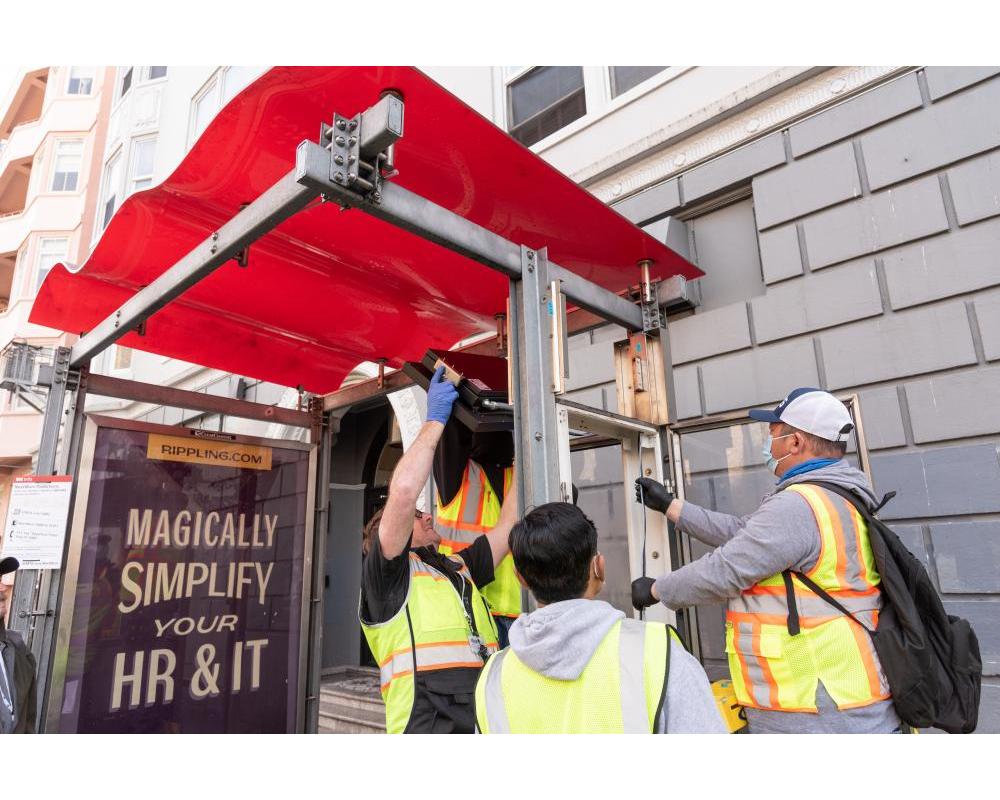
(771, 461)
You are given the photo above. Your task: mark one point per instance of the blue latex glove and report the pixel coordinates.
(441, 396)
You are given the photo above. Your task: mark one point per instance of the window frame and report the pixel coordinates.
(524, 72)
(107, 173)
(69, 80)
(39, 252)
(55, 165)
(611, 81)
(212, 84)
(146, 77)
(120, 92)
(132, 178)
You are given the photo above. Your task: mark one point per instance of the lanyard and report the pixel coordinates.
(6, 694)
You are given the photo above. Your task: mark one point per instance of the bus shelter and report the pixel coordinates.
(326, 217)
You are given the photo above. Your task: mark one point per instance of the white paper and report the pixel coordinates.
(35, 531)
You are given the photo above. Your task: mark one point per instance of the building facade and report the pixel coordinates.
(52, 132)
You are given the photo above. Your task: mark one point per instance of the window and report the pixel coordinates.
(206, 105)
(625, 78)
(123, 358)
(543, 101)
(81, 80)
(112, 181)
(236, 79)
(141, 173)
(124, 80)
(66, 171)
(50, 253)
(155, 73)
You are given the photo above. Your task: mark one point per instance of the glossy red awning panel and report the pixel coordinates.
(328, 288)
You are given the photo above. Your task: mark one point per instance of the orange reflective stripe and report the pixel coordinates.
(804, 591)
(432, 575)
(838, 537)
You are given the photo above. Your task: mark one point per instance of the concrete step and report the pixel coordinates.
(350, 701)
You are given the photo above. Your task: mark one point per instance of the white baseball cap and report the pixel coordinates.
(813, 411)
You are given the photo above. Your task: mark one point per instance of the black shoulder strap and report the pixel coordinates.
(663, 691)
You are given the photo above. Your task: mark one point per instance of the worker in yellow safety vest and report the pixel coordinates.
(428, 625)
(577, 664)
(799, 667)
(473, 473)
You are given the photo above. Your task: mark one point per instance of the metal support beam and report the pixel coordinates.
(195, 401)
(316, 613)
(535, 423)
(418, 215)
(282, 200)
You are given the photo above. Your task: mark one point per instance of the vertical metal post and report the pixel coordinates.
(536, 437)
(324, 435)
(28, 585)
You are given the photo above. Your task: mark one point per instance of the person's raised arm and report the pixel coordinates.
(499, 536)
(711, 527)
(411, 474)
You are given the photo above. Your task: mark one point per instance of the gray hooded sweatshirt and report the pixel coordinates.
(781, 534)
(558, 640)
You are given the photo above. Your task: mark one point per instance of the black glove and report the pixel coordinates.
(653, 493)
(642, 593)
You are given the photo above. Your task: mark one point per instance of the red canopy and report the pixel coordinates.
(327, 288)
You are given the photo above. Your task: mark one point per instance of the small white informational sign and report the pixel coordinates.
(36, 520)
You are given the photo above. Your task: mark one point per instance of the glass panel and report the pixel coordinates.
(142, 159)
(66, 171)
(112, 178)
(598, 475)
(545, 100)
(625, 78)
(205, 108)
(81, 80)
(723, 470)
(50, 253)
(157, 72)
(126, 82)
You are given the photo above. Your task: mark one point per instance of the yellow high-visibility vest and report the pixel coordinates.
(475, 509)
(430, 632)
(621, 690)
(770, 668)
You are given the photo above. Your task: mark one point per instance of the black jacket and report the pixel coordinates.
(20, 663)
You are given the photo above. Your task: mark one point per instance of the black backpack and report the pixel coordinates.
(930, 658)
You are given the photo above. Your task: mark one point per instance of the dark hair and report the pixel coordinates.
(371, 531)
(552, 548)
(823, 448)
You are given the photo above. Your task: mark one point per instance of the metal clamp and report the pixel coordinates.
(47, 612)
(361, 147)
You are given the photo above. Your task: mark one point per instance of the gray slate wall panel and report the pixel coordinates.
(955, 406)
(653, 203)
(950, 130)
(975, 188)
(762, 375)
(967, 555)
(988, 314)
(944, 266)
(846, 293)
(989, 709)
(591, 365)
(984, 615)
(779, 253)
(923, 340)
(686, 393)
(874, 223)
(942, 81)
(939, 482)
(912, 537)
(882, 418)
(734, 167)
(818, 181)
(710, 333)
(857, 114)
